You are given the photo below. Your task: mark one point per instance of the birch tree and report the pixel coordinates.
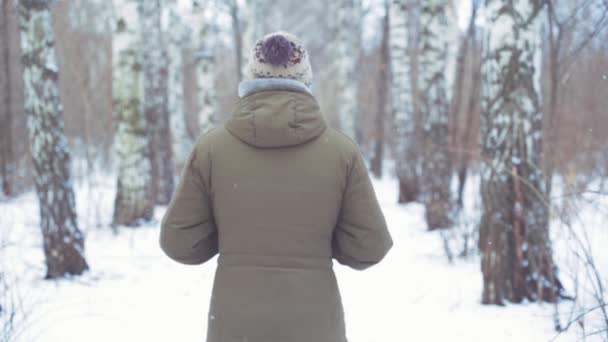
(237, 34)
(134, 202)
(247, 27)
(205, 40)
(516, 251)
(62, 240)
(432, 60)
(400, 41)
(179, 35)
(346, 27)
(155, 101)
(251, 23)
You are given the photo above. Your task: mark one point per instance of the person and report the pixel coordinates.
(278, 195)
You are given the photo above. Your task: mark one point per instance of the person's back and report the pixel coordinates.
(279, 195)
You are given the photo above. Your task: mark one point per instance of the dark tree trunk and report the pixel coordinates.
(472, 106)
(408, 190)
(376, 164)
(7, 166)
(155, 104)
(458, 87)
(554, 88)
(62, 240)
(516, 252)
(469, 133)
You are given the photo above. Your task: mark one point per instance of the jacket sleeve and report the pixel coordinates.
(188, 232)
(361, 238)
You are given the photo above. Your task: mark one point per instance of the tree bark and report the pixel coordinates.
(205, 40)
(238, 39)
(401, 65)
(179, 35)
(249, 34)
(555, 42)
(248, 26)
(472, 110)
(63, 242)
(134, 199)
(383, 79)
(7, 166)
(434, 111)
(155, 99)
(473, 101)
(516, 251)
(346, 27)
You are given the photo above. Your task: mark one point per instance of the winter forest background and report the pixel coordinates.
(483, 121)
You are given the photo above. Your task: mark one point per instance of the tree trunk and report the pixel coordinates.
(248, 26)
(554, 89)
(346, 27)
(63, 242)
(434, 110)
(205, 44)
(134, 199)
(238, 39)
(155, 102)
(383, 79)
(458, 90)
(7, 166)
(400, 42)
(473, 101)
(472, 110)
(179, 36)
(516, 251)
(248, 37)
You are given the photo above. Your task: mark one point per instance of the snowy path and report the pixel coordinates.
(134, 293)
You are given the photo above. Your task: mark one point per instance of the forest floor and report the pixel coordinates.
(134, 293)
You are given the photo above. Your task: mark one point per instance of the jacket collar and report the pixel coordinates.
(248, 87)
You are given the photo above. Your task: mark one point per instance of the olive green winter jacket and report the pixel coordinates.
(278, 195)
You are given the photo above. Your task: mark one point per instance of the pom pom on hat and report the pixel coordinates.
(277, 50)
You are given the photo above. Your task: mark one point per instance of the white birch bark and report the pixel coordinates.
(155, 102)
(452, 37)
(179, 35)
(205, 40)
(92, 16)
(253, 14)
(63, 242)
(134, 199)
(346, 26)
(434, 109)
(514, 237)
(400, 40)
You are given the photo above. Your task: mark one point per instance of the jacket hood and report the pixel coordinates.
(276, 118)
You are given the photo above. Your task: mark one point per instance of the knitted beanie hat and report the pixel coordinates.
(280, 55)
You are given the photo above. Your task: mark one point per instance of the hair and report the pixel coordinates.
(277, 50)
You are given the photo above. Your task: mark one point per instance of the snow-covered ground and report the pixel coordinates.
(134, 293)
